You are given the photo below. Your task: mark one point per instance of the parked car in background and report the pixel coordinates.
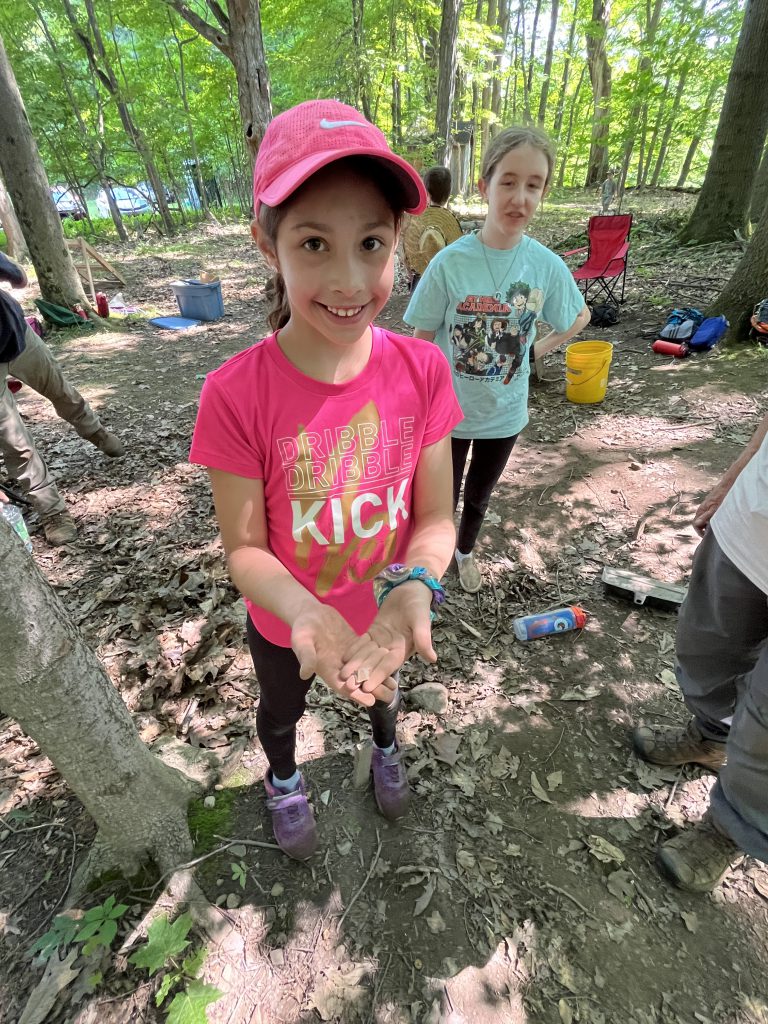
(145, 188)
(129, 201)
(67, 202)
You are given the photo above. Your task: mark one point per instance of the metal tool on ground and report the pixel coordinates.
(643, 589)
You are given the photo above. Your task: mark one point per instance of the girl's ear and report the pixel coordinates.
(482, 188)
(265, 245)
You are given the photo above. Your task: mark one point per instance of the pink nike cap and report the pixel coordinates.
(311, 135)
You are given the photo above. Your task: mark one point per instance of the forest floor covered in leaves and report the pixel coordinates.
(522, 887)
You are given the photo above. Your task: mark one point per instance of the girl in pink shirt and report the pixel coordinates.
(328, 449)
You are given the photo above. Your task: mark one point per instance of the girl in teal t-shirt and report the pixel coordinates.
(480, 300)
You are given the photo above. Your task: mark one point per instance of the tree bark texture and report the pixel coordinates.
(723, 204)
(748, 284)
(27, 185)
(14, 237)
(760, 191)
(600, 75)
(446, 78)
(57, 690)
(237, 33)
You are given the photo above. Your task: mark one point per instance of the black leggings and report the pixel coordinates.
(489, 457)
(283, 700)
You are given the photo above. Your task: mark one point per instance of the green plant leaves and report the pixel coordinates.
(188, 1007)
(164, 940)
(60, 934)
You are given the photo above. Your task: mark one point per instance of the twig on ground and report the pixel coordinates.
(248, 842)
(366, 880)
(564, 892)
(555, 747)
(380, 977)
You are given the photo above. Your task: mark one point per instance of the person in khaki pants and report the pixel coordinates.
(24, 355)
(722, 669)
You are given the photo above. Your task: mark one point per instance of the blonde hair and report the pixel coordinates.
(509, 139)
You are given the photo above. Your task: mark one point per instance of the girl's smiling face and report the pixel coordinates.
(517, 185)
(335, 250)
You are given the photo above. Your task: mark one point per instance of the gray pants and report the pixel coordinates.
(37, 367)
(722, 655)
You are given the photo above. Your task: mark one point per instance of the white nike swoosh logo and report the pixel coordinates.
(325, 123)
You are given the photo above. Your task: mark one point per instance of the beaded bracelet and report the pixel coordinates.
(397, 573)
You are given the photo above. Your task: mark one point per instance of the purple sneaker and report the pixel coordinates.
(292, 820)
(390, 784)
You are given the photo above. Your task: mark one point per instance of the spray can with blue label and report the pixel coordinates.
(530, 627)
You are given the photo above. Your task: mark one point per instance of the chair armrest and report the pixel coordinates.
(572, 252)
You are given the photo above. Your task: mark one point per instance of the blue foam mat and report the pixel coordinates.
(174, 323)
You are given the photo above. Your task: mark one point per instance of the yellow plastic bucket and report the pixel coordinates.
(586, 371)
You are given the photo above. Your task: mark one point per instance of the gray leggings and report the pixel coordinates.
(722, 655)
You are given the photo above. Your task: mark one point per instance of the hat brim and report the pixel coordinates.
(286, 183)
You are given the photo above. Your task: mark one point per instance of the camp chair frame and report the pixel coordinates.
(606, 263)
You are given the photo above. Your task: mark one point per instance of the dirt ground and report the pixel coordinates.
(522, 887)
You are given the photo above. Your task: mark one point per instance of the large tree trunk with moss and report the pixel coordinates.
(57, 690)
(747, 286)
(723, 204)
(27, 185)
(760, 191)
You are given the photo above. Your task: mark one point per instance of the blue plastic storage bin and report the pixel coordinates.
(199, 301)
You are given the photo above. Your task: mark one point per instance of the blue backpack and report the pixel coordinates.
(709, 332)
(681, 324)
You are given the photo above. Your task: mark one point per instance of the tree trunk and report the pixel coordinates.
(696, 140)
(358, 40)
(748, 284)
(760, 191)
(532, 53)
(566, 146)
(238, 35)
(27, 184)
(642, 84)
(506, 11)
(669, 126)
(446, 78)
(485, 130)
(722, 208)
(600, 75)
(182, 87)
(658, 121)
(560, 109)
(547, 70)
(14, 238)
(57, 690)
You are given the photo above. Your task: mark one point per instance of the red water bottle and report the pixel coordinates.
(102, 306)
(670, 348)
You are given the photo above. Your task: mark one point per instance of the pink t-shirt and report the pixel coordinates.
(337, 460)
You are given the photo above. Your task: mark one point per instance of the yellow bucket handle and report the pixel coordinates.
(578, 383)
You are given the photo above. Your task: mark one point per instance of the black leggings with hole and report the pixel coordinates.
(283, 701)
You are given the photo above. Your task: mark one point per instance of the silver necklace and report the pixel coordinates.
(507, 272)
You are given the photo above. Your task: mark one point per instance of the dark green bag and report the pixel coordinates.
(60, 316)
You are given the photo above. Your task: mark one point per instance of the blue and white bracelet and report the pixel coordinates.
(397, 573)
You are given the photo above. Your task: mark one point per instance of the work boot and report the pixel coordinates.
(108, 443)
(59, 529)
(469, 575)
(698, 859)
(674, 744)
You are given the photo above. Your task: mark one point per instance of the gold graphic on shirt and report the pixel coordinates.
(305, 497)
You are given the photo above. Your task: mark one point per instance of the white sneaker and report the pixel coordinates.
(469, 575)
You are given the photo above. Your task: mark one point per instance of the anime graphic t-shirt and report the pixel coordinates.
(337, 460)
(483, 305)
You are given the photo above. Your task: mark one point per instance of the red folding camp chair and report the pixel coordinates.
(607, 259)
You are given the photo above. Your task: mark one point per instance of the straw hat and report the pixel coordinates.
(427, 234)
